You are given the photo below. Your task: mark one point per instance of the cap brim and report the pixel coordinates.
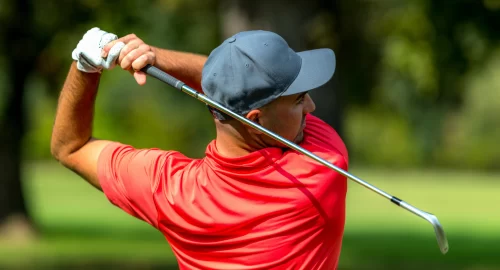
(317, 69)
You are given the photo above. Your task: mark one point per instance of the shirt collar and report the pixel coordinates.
(257, 159)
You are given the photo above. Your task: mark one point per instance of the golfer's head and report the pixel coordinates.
(257, 75)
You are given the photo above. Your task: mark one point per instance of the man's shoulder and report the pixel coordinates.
(319, 134)
(138, 157)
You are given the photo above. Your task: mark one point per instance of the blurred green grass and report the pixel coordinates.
(82, 230)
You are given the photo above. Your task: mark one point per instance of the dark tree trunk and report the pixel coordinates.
(329, 99)
(294, 22)
(20, 54)
(11, 134)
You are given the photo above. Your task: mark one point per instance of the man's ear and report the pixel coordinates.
(254, 116)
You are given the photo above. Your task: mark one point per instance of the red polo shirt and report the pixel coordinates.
(270, 209)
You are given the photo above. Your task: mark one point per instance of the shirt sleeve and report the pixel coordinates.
(129, 177)
(320, 133)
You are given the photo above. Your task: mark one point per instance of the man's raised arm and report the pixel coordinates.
(72, 144)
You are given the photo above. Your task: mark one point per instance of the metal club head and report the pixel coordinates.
(432, 219)
(438, 229)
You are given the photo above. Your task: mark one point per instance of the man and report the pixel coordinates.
(250, 203)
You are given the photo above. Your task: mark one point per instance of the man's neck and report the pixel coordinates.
(231, 146)
(234, 141)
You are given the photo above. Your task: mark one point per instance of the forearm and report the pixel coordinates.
(73, 124)
(186, 67)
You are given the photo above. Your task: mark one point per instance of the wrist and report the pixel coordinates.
(161, 60)
(83, 74)
(80, 83)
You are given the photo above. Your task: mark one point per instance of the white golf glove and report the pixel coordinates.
(88, 51)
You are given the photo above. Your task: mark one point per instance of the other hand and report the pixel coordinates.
(134, 56)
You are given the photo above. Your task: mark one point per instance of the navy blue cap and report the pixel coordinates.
(253, 68)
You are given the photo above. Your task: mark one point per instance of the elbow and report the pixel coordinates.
(61, 155)
(54, 149)
(56, 152)
(59, 150)
(55, 155)
(63, 150)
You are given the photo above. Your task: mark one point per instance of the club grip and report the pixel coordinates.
(163, 76)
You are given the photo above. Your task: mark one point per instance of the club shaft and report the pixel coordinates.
(166, 78)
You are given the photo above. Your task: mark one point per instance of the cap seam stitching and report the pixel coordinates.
(296, 75)
(231, 63)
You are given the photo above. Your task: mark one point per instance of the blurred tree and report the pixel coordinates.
(428, 48)
(19, 52)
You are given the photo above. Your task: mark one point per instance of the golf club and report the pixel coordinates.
(166, 78)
